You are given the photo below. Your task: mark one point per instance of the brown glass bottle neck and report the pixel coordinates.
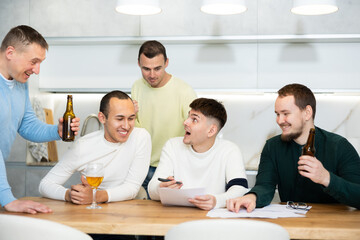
(69, 105)
(309, 148)
(311, 137)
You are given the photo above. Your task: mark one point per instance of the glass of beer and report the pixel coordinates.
(94, 176)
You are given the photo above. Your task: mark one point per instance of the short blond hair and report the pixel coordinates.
(21, 36)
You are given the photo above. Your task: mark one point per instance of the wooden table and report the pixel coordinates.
(146, 217)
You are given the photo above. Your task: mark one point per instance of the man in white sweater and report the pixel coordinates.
(123, 150)
(200, 159)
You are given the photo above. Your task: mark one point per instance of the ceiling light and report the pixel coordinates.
(138, 7)
(314, 7)
(223, 7)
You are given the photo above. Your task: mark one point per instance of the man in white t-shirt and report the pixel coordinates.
(124, 151)
(200, 159)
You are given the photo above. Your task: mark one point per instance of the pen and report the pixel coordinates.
(167, 180)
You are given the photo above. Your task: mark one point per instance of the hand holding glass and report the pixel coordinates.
(94, 176)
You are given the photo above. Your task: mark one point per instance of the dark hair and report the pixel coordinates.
(21, 36)
(104, 104)
(210, 108)
(302, 94)
(151, 49)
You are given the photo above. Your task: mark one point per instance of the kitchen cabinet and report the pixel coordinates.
(13, 13)
(263, 17)
(34, 174)
(275, 18)
(68, 18)
(16, 175)
(227, 65)
(184, 18)
(24, 180)
(97, 18)
(320, 66)
(106, 67)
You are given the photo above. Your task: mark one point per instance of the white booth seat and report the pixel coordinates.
(14, 227)
(229, 229)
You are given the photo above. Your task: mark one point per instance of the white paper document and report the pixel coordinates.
(271, 211)
(179, 197)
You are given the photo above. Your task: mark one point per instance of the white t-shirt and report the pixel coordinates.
(126, 165)
(213, 169)
(10, 83)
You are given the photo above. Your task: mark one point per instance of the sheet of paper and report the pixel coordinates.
(271, 211)
(179, 197)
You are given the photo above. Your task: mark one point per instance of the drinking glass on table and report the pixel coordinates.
(94, 175)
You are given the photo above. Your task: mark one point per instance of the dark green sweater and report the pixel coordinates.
(278, 166)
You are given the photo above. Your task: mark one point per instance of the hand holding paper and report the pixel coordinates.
(179, 197)
(205, 202)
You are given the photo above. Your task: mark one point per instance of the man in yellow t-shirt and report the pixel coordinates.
(162, 99)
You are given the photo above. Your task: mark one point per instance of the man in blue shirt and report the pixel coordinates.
(22, 50)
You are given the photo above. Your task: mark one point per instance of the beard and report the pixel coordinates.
(291, 136)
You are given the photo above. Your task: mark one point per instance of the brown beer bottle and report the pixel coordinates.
(67, 134)
(309, 148)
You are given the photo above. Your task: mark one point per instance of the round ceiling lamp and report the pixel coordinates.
(314, 7)
(223, 7)
(138, 7)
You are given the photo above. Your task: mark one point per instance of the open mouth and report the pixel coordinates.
(284, 127)
(187, 133)
(123, 133)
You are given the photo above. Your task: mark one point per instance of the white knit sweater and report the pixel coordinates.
(212, 169)
(126, 165)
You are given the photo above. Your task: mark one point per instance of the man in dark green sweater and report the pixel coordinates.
(332, 176)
